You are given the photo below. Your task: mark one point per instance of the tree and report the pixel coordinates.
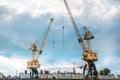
(105, 71)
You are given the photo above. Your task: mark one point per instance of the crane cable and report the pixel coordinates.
(54, 45)
(63, 37)
(63, 28)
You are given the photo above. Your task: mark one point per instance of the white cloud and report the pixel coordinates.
(35, 8)
(9, 65)
(113, 11)
(91, 13)
(109, 61)
(99, 8)
(8, 18)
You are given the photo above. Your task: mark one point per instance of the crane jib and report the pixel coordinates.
(80, 40)
(44, 39)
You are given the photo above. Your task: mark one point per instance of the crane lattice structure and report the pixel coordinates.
(88, 55)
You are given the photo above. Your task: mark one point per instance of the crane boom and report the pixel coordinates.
(75, 26)
(44, 39)
(72, 20)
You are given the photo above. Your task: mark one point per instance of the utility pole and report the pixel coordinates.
(74, 68)
(16, 72)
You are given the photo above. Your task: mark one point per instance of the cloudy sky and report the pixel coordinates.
(24, 21)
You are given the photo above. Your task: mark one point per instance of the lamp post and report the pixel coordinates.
(116, 75)
(16, 72)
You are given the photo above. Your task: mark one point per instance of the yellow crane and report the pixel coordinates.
(88, 55)
(33, 64)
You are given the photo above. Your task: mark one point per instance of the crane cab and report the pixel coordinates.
(90, 56)
(33, 64)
